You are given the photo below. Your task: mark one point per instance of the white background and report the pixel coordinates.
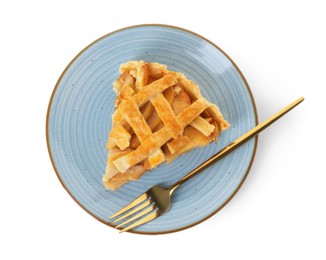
(279, 213)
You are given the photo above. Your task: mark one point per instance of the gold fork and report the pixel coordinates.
(157, 200)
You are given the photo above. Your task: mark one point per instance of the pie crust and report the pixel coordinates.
(159, 115)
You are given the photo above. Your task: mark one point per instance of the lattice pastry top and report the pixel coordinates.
(159, 114)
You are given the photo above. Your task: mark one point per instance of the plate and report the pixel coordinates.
(79, 120)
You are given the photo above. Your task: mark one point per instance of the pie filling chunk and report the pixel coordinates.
(158, 115)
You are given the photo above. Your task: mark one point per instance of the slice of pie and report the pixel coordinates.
(159, 115)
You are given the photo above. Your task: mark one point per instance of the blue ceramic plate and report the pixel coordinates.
(79, 120)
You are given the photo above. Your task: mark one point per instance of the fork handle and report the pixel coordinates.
(235, 144)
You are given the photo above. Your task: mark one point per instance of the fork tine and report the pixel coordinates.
(132, 204)
(136, 209)
(142, 213)
(144, 220)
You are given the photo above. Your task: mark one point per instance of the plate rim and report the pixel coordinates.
(99, 39)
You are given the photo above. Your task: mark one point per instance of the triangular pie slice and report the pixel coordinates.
(159, 115)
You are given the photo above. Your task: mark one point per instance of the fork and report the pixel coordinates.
(157, 200)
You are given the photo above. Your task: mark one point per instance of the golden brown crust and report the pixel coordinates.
(166, 114)
(159, 115)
